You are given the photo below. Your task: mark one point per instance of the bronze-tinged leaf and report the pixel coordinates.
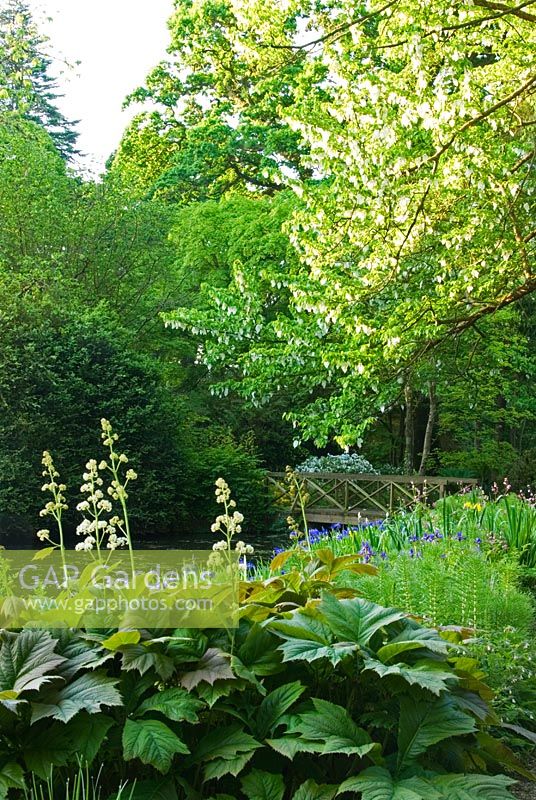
(214, 666)
(280, 560)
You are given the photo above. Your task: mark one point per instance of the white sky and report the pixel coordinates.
(117, 42)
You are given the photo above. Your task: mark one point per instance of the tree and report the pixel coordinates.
(26, 85)
(420, 222)
(218, 125)
(145, 153)
(82, 243)
(60, 374)
(36, 198)
(215, 240)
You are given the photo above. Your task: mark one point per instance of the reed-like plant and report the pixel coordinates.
(84, 784)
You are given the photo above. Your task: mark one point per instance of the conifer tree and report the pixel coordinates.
(26, 86)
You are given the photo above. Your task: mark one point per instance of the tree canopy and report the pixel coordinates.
(417, 220)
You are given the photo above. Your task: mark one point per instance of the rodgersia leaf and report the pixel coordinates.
(303, 650)
(261, 785)
(152, 742)
(427, 675)
(310, 790)
(424, 724)
(88, 692)
(474, 787)
(274, 706)
(213, 666)
(376, 783)
(413, 638)
(356, 620)
(11, 777)
(27, 660)
(163, 789)
(175, 703)
(328, 728)
(226, 766)
(225, 742)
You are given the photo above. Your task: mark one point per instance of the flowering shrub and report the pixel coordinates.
(345, 462)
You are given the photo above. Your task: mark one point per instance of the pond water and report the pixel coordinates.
(23, 538)
(264, 544)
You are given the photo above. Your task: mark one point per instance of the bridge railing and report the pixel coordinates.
(346, 498)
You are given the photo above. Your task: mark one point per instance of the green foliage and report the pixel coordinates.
(452, 585)
(60, 375)
(212, 451)
(408, 159)
(35, 193)
(252, 729)
(217, 126)
(84, 786)
(26, 86)
(508, 658)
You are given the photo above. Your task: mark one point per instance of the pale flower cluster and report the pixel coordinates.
(229, 524)
(96, 528)
(57, 505)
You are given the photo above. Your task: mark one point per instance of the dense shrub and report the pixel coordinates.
(59, 374)
(214, 451)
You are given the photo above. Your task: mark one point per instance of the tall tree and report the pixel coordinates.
(217, 116)
(421, 221)
(26, 85)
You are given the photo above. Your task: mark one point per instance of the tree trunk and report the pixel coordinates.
(500, 427)
(432, 415)
(409, 429)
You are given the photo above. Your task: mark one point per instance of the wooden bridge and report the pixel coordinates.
(342, 497)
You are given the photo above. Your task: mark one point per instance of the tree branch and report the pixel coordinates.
(517, 11)
(475, 120)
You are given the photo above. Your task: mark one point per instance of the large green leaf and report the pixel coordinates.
(474, 787)
(302, 625)
(331, 728)
(424, 724)
(427, 674)
(258, 652)
(175, 703)
(274, 706)
(241, 671)
(46, 745)
(88, 692)
(87, 732)
(163, 789)
(356, 620)
(413, 638)
(137, 657)
(376, 783)
(304, 650)
(310, 790)
(210, 694)
(224, 742)
(152, 742)
(261, 785)
(226, 766)
(289, 746)
(79, 654)
(27, 660)
(11, 777)
(120, 639)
